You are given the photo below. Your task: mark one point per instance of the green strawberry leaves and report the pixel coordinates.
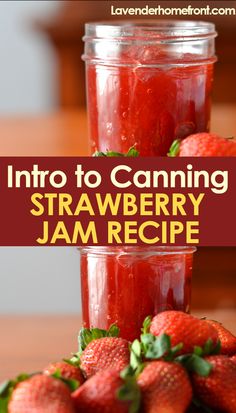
(130, 390)
(132, 152)
(195, 363)
(107, 154)
(136, 357)
(71, 383)
(174, 149)
(158, 347)
(4, 404)
(6, 389)
(210, 348)
(146, 325)
(152, 347)
(74, 361)
(86, 335)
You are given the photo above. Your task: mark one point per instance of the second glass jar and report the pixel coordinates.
(123, 285)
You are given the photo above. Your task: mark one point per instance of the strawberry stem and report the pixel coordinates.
(174, 149)
(146, 325)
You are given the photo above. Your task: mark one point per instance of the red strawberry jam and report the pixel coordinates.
(148, 84)
(147, 108)
(124, 285)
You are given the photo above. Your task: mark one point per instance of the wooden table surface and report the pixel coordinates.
(65, 133)
(29, 343)
(56, 134)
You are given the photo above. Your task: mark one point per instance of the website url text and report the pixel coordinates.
(173, 11)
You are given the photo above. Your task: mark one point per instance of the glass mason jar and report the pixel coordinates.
(148, 83)
(123, 285)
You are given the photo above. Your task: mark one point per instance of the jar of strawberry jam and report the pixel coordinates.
(123, 285)
(148, 83)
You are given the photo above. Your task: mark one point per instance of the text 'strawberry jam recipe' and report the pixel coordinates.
(148, 83)
(123, 285)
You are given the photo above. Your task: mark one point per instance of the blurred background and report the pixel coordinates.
(42, 84)
(28, 63)
(41, 46)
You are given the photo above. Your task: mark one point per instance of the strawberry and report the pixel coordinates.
(104, 353)
(165, 388)
(227, 339)
(99, 394)
(183, 328)
(67, 371)
(203, 144)
(233, 358)
(41, 394)
(218, 390)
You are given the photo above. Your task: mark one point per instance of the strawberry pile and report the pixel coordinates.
(179, 364)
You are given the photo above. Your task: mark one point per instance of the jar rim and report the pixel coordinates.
(152, 29)
(142, 250)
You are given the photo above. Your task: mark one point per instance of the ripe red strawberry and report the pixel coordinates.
(233, 358)
(183, 328)
(41, 394)
(204, 144)
(66, 370)
(165, 388)
(218, 390)
(99, 394)
(227, 339)
(105, 353)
